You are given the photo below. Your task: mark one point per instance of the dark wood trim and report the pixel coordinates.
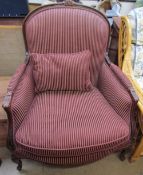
(35, 4)
(17, 160)
(3, 132)
(7, 107)
(3, 120)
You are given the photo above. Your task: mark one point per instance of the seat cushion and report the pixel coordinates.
(71, 123)
(62, 71)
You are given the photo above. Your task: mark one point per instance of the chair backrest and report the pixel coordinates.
(65, 28)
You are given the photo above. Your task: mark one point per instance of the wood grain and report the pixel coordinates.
(3, 132)
(4, 80)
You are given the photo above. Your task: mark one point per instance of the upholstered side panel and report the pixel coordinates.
(68, 29)
(15, 78)
(115, 93)
(114, 86)
(22, 98)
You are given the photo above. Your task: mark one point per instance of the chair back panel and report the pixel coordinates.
(68, 29)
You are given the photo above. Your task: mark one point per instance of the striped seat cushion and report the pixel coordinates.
(62, 71)
(71, 123)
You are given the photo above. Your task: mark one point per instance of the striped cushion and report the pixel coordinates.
(71, 124)
(62, 71)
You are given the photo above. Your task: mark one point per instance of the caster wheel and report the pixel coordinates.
(19, 167)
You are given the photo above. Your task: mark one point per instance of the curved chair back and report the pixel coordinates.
(63, 28)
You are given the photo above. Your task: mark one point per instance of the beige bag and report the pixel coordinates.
(104, 5)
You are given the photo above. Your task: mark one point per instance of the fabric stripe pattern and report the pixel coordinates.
(62, 71)
(69, 127)
(60, 29)
(71, 124)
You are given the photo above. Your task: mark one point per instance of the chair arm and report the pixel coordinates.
(20, 95)
(12, 85)
(125, 82)
(118, 91)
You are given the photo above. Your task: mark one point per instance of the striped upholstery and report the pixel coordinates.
(71, 123)
(74, 160)
(69, 127)
(23, 95)
(73, 113)
(62, 71)
(117, 94)
(14, 80)
(70, 29)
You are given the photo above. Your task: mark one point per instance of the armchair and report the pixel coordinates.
(69, 127)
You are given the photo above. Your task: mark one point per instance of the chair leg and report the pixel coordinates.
(122, 155)
(0, 162)
(17, 161)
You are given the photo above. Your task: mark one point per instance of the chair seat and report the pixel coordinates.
(71, 123)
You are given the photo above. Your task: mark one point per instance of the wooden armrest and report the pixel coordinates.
(7, 100)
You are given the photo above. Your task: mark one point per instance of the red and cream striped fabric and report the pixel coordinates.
(23, 95)
(116, 94)
(114, 85)
(69, 127)
(61, 160)
(70, 29)
(74, 115)
(16, 77)
(62, 71)
(71, 124)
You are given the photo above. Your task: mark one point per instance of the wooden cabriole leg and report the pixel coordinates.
(122, 155)
(17, 161)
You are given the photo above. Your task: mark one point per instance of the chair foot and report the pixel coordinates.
(17, 161)
(122, 155)
(19, 167)
(0, 162)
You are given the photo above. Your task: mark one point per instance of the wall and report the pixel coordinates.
(11, 49)
(126, 7)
